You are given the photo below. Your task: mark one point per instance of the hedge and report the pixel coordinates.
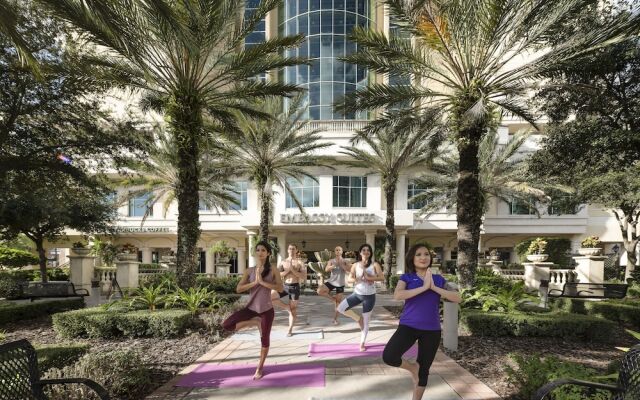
(12, 312)
(59, 355)
(100, 323)
(623, 311)
(573, 326)
(219, 285)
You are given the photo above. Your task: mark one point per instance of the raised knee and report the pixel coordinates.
(390, 359)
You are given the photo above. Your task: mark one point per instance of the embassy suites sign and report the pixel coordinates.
(142, 229)
(325, 218)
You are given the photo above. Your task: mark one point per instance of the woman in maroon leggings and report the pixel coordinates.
(259, 281)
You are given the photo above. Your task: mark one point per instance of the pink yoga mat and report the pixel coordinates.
(346, 350)
(229, 376)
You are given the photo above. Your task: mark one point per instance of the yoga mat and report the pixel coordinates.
(230, 376)
(276, 335)
(347, 350)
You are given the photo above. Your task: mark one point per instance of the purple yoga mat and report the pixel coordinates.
(346, 350)
(229, 376)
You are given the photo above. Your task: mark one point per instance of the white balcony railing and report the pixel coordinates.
(334, 126)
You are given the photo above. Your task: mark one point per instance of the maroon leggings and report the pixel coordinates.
(266, 320)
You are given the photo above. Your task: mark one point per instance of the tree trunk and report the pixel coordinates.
(632, 260)
(628, 218)
(265, 215)
(42, 255)
(469, 204)
(389, 237)
(187, 126)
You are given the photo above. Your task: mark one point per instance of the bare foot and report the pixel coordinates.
(362, 347)
(258, 375)
(335, 322)
(289, 333)
(414, 372)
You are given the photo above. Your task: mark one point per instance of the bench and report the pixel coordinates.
(578, 290)
(627, 387)
(36, 290)
(20, 376)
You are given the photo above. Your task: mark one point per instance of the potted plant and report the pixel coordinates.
(80, 248)
(223, 251)
(590, 246)
(128, 252)
(350, 256)
(536, 250)
(494, 255)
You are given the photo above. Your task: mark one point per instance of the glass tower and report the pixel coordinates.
(325, 25)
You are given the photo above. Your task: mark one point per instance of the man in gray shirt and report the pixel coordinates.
(338, 267)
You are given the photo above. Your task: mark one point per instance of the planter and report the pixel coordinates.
(127, 257)
(168, 259)
(81, 251)
(494, 258)
(350, 260)
(223, 259)
(589, 251)
(537, 257)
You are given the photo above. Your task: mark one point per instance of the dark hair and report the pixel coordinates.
(409, 265)
(359, 257)
(267, 265)
(294, 245)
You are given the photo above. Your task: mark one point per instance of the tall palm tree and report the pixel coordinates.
(188, 61)
(389, 153)
(503, 175)
(271, 152)
(471, 59)
(9, 17)
(157, 176)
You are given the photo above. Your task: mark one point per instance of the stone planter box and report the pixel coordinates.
(81, 251)
(589, 251)
(127, 257)
(537, 257)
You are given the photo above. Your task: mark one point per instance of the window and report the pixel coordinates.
(415, 189)
(349, 191)
(259, 34)
(241, 196)
(307, 191)
(138, 206)
(520, 207)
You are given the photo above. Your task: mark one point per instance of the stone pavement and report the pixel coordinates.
(346, 378)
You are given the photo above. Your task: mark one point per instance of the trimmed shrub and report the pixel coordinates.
(573, 306)
(16, 258)
(532, 372)
(557, 249)
(623, 311)
(122, 373)
(219, 285)
(10, 287)
(573, 326)
(11, 312)
(59, 355)
(101, 323)
(393, 282)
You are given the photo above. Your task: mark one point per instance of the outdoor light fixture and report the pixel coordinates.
(615, 248)
(303, 243)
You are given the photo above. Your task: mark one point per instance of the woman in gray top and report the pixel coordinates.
(338, 267)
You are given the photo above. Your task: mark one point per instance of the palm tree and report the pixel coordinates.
(471, 60)
(271, 152)
(188, 61)
(389, 153)
(9, 17)
(158, 176)
(503, 175)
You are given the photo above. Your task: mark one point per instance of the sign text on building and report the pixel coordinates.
(324, 218)
(142, 229)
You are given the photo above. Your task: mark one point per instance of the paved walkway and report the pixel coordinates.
(355, 378)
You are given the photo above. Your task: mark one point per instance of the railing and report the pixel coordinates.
(512, 274)
(228, 275)
(559, 277)
(334, 126)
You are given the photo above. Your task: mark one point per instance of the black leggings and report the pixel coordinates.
(403, 339)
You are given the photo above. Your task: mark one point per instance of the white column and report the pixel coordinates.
(400, 236)
(282, 246)
(370, 238)
(450, 326)
(81, 270)
(242, 259)
(446, 254)
(209, 262)
(252, 243)
(147, 257)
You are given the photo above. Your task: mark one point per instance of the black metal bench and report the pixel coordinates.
(36, 290)
(627, 387)
(578, 290)
(20, 378)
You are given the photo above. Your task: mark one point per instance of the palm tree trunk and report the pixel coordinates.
(390, 191)
(187, 125)
(469, 203)
(265, 215)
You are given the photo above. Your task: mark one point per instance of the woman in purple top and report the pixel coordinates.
(420, 319)
(259, 281)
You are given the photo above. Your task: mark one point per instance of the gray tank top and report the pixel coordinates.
(337, 274)
(260, 296)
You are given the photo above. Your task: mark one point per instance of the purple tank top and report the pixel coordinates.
(260, 296)
(422, 311)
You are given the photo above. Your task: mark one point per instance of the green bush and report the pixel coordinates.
(572, 326)
(100, 323)
(219, 285)
(634, 290)
(622, 311)
(573, 306)
(30, 275)
(393, 282)
(122, 373)
(557, 249)
(11, 312)
(16, 258)
(532, 372)
(9, 287)
(59, 355)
